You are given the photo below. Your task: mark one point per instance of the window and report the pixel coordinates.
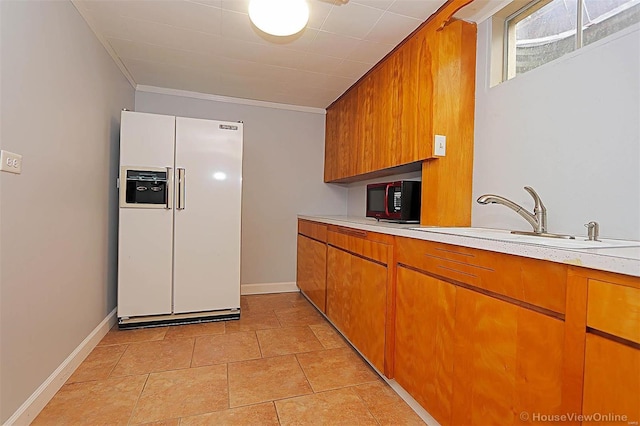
(537, 32)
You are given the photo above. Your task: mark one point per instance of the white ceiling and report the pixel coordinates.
(211, 47)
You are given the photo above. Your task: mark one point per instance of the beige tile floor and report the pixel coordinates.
(282, 363)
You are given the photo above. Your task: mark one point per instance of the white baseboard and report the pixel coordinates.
(268, 288)
(41, 397)
(415, 406)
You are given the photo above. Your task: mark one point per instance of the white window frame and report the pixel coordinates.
(503, 59)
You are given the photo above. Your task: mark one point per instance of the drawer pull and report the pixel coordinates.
(352, 232)
(454, 252)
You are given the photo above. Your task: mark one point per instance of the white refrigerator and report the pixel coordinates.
(180, 189)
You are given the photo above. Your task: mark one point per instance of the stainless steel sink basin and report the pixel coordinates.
(505, 235)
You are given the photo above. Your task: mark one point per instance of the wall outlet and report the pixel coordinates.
(440, 146)
(10, 162)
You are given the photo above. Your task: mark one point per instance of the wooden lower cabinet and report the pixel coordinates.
(479, 338)
(507, 361)
(611, 382)
(356, 302)
(424, 338)
(472, 359)
(312, 270)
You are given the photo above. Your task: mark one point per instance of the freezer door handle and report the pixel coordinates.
(181, 179)
(169, 189)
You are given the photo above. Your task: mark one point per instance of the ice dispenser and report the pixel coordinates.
(145, 188)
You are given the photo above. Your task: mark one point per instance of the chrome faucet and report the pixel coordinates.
(538, 219)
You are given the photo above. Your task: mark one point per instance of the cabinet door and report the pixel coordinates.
(338, 280)
(350, 156)
(331, 145)
(312, 263)
(409, 145)
(507, 361)
(424, 96)
(356, 302)
(366, 121)
(424, 332)
(611, 381)
(387, 119)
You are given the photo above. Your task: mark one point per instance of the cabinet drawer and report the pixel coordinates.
(317, 231)
(614, 309)
(532, 281)
(360, 242)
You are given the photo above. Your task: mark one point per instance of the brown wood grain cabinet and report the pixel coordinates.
(612, 348)
(424, 340)
(484, 348)
(311, 268)
(356, 298)
(534, 282)
(357, 280)
(611, 382)
(479, 337)
(389, 118)
(507, 361)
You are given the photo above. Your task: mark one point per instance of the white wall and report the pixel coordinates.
(571, 130)
(61, 95)
(283, 166)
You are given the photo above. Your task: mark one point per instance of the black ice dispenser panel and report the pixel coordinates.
(146, 187)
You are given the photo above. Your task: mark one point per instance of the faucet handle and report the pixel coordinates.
(593, 230)
(536, 198)
(539, 209)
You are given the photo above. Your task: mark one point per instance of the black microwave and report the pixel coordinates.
(396, 201)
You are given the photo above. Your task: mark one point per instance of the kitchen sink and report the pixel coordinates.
(505, 235)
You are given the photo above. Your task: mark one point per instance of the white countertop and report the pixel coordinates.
(621, 260)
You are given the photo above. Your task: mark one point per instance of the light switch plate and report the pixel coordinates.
(440, 146)
(10, 162)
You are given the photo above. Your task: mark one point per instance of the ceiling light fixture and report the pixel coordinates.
(279, 17)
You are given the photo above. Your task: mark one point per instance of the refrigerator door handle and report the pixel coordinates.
(181, 179)
(169, 189)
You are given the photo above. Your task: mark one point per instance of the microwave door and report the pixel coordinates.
(387, 199)
(376, 201)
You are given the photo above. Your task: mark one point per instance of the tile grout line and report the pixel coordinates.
(128, 347)
(275, 408)
(314, 333)
(365, 404)
(255, 332)
(228, 388)
(116, 363)
(133, 411)
(315, 336)
(193, 351)
(305, 374)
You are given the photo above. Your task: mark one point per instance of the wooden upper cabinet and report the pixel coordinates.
(421, 51)
(452, 55)
(331, 148)
(366, 110)
(387, 120)
(389, 117)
